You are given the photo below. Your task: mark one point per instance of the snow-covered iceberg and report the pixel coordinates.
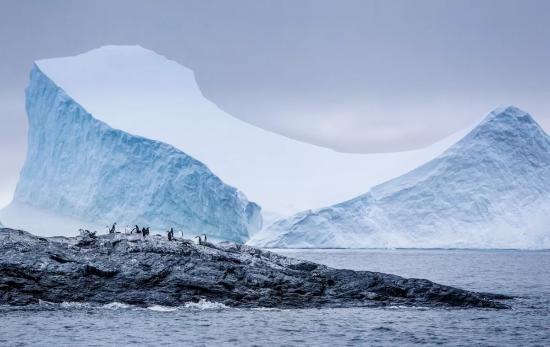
(489, 190)
(80, 172)
(143, 93)
(90, 159)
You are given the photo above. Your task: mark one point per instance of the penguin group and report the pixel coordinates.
(146, 231)
(202, 241)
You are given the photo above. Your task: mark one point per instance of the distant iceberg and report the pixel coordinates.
(489, 190)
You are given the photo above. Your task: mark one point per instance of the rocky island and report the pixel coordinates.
(154, 271)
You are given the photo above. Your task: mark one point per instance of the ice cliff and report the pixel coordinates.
(80, 167)
(489, 190)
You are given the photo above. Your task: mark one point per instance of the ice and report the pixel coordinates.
(136, 90)
(489, 190)
(100, 125)
(80, 169)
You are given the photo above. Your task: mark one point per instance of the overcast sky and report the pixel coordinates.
(358, 76)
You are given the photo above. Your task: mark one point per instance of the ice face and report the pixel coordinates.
(489, 190)
(138, 91)
(81, 168)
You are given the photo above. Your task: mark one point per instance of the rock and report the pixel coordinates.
(154, 271)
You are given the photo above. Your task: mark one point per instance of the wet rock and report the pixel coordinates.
(153, 271)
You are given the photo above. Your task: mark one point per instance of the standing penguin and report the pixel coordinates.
(170, 234)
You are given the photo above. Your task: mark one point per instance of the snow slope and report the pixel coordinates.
(82, 173)
(138, 91)
(489, 190)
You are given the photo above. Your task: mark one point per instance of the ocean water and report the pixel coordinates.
(524, 274)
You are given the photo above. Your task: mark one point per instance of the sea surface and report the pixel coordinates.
(524, 274)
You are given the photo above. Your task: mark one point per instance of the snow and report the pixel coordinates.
(138, 91)
(81, 172)
(489, 190)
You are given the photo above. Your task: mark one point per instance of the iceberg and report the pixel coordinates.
(82, 173)
(143, 93)
(489, 190)
(122, 133)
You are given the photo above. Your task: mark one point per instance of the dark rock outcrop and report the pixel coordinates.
(153, 271)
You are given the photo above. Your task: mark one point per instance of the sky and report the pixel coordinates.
(355, 76)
